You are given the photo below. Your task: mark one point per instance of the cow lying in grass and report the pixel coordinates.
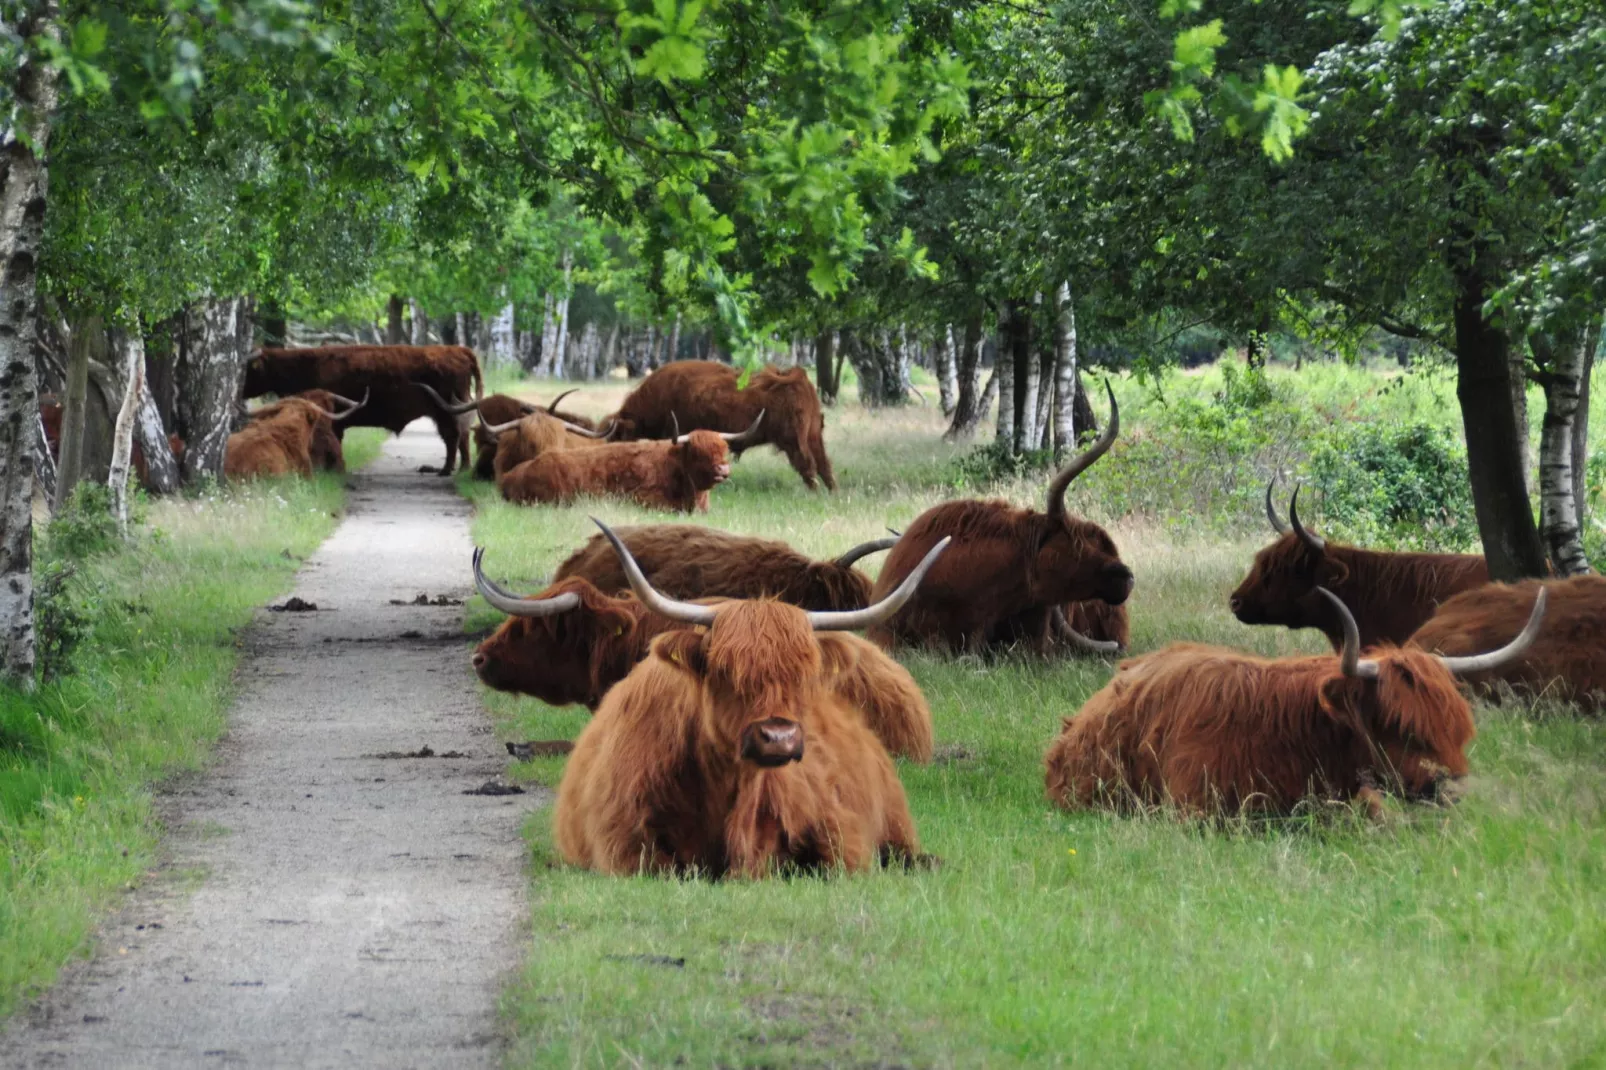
(294, 436)
(571, 643)
(1568, 661)
(690, 561)
(1212, 730)
(1390, 594)
(675, 475)
(726, 751)
(500, 415)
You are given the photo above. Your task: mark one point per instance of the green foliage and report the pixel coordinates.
(64, 615)
(84, 526)
(1402, 486)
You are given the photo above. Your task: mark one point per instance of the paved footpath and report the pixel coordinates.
(324, 905)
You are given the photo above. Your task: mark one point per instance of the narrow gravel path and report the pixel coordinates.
(325, 905)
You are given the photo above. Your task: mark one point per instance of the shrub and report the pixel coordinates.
(1399, 486)
(85, 525)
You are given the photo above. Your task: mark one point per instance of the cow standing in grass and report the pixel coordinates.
(705, 395)
(1211, 730)
(689, 561)
(1567, 662)
(1013, 572)
(388, 374)
(726, 752)
(572, 643)
(1390, 595)
(675, 475)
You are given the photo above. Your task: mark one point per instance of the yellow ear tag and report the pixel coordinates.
(619, 630)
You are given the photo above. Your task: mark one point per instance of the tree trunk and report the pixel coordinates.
(44, 465)
(1064, 370)
(87, 335)
(969, 409)
(1511, 542)
(1026, 374)
(824, 361)
(420, 323)
(947, 370)
(561, 335)
(650, 361)
(209, 384)
(275, 328)
(1083, 418)
(609, 353)
(1004, 375)
(1581, 424)
(132, 345)
(1561, 360)
(673, 352)
(1519, 408)
(902, 385)
(1042, 419)
(161, 468)
(394, 332)
(24, 189)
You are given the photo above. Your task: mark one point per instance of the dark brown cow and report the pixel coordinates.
(1012, 571)
(688, 561)
(1569, 660)
(388, 373)
(571, 643)
(1212, 730)
(703, 395)
(502, 410)
(1390, 594)
(290, 438)
(727, 752)
(675, 475)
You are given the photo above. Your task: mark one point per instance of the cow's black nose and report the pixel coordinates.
(1235, 603)
(478, 660)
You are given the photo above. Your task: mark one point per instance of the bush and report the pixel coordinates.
(1400, 486)
(65, 611)
(85, 525)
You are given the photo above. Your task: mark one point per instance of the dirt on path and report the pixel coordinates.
(330, 898)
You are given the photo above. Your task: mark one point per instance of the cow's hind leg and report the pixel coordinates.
(446, 426)
(802, 463)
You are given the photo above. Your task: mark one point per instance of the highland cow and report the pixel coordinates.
(1012, 572)
(1390, 594)
(1568, 661)
(1211, 730)
(704, 395)
(291, 437)
(726, 752)
(497, 415)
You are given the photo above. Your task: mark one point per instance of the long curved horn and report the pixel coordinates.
(1056, 489)
(686, 612)
(552, 409)
(743, 439)
(865, 549)
(1315, 542)
(1494, 659)
(1276, 521)
(674, 422)
(1349, 660)
(896, 532)
(852, 620)
(456, 408)
(497, 429)
(352, 406)
(1100, 647)
(512, 604)
(583, 432)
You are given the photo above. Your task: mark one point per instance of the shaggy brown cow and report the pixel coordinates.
(1212, 730)
(1010, 571)
(527, 437)
(1569, 660)
(703, 395)
(325, 447)
(499, 410)
(283, 441)
(675, 475)
(727, 752)
(389, 373)
(688, 561)
(1390, 594)
(571, 643)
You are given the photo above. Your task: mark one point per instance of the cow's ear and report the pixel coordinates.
(837, 655)
(683, 648)
(1340, 699)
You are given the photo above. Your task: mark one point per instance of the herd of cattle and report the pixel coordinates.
(738, 728)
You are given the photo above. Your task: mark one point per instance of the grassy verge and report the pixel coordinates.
(147, 697)
(1471, 935)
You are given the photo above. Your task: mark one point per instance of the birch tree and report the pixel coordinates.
(1064, 370)
(1563, 363)
(132, 346)
(209, 382)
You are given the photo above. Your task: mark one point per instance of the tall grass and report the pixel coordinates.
(146, 697)
(1443, 937)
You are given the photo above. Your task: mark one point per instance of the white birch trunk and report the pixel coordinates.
(161, 468)
(1004, 379)
(563, 315)
(1519, 405)
(420, 323)
(947, 369)
(1558, 506)
(609, 351)
(86, 336)
(1026, 435)
(216, 363)
(1065, 360)
(133, 345)
(674, 341)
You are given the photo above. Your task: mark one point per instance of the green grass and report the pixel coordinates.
(1453, 937)
(147, 699)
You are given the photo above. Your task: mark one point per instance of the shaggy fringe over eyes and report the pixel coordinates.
(763, 649)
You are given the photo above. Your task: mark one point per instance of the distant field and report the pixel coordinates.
(1464, 936)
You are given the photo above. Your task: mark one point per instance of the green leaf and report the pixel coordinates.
(1195, 48)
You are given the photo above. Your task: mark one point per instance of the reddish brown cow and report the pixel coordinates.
(1568, 661)
(703, 395)
(387, 373)
(571, 643)
(674, 475)
(1212, 730)
(1010, 571)
(527, 437)
(503, 411)
(688, 561)
(727, 752)
(1390, 594)
(281, 441)
(325, 447)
